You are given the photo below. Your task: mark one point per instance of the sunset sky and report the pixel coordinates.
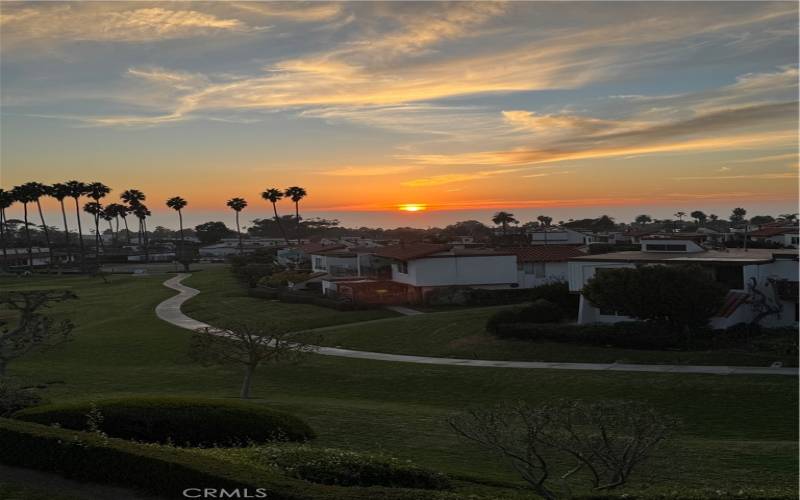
(566, 109)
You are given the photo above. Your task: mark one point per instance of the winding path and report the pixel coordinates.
(170, 311)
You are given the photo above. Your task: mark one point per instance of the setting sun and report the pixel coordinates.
(412, 207)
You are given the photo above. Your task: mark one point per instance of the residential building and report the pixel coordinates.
(559, 236)
(755, 278)
(543, 264)
(785, 236)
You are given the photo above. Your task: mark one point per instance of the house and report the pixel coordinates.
(408, 273)
(559, 236)
(542, 264)
(754, 278)
(300, 256)
(785, 236)
(39, 257)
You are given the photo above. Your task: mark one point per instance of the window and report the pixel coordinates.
(319, 262)
(402, 267)
(538, 269)
(795, 240)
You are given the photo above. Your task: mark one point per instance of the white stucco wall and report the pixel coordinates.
(459, 270)
(553, 271)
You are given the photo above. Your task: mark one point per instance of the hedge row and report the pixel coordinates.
(649, 335)
(179, 421)
(556, 292)
(626, 334)
(159, 470)
(305, 298)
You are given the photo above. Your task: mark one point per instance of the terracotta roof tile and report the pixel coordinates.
(411, 251)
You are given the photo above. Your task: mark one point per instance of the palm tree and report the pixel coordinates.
(699, 216)
(504, 219)
(60, 191)
(680, 215)
(76, 189)
(96, 209)
(108, 217)
(113, 211)
(737, 215)
(788, 217)
(273, 196)
(643, 219)
(141, 212)
(37, 190)
(96, 191)
(23, 194)
(6, 200)
(238, 204)
(177, 203)
(545, 220)
(713, 217)
(134, 198)
(296, 193)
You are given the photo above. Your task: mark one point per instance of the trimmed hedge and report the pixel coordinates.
(556, 292)
(626, 334)
(180, 421)
(314, 298)
(160, 470)
(347, 468)
(647, 335)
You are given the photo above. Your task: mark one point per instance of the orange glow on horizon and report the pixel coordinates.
(412, 207)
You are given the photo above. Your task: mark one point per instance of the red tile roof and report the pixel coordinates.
(773, 231)
(546, 253)
(318, 247)
(410, 251)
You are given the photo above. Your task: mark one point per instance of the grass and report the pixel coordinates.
(224, 295)
(461, 334)
(739, 432)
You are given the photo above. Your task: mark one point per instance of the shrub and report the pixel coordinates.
(625, 334)
(182, 421)
(502, 318)
(14, 398)
(558, 293)
(541, 311)
(283, 278)
(159, 470)
(347, 468)
(252, 273)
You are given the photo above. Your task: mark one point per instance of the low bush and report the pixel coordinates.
(541, 311)
(298, 297)
(161, 470)
(181, 421)
(626, 334)
(556, 292)
(13, 397)
(283, 278)
(347, 468)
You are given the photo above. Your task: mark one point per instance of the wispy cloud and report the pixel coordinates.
(764, 176)
(369, 171)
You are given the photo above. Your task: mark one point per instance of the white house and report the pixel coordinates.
(786, 236)
(542, 264)
(559, 236)
(756, 278)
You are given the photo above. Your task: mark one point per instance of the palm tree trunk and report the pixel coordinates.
(297, 221)
(46, 233)
(80, 232)
(146, 242)
(278, 220)
(239, 232)
(183, 257)
(116, 229)
(3, 237)
(66, 229)
(127, 231)
(28, 237)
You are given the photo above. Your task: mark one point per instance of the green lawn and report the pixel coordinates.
(739, 432)
(224, 295)
(461, 334)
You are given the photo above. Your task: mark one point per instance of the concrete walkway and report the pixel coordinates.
(170, 311)
(405, 311)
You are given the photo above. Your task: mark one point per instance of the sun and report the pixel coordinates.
(412, 207)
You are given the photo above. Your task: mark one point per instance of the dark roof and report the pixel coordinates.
(766, 232)
(317, 247)
(546, 253)
(410, 251)
(732, 256)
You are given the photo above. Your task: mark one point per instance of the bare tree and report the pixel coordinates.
(248, 344)
(606, 440)
(33, 329)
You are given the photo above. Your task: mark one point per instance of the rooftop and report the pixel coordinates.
(546, 253)
(732, 256)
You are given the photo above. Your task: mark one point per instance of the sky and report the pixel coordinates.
(566, 109)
